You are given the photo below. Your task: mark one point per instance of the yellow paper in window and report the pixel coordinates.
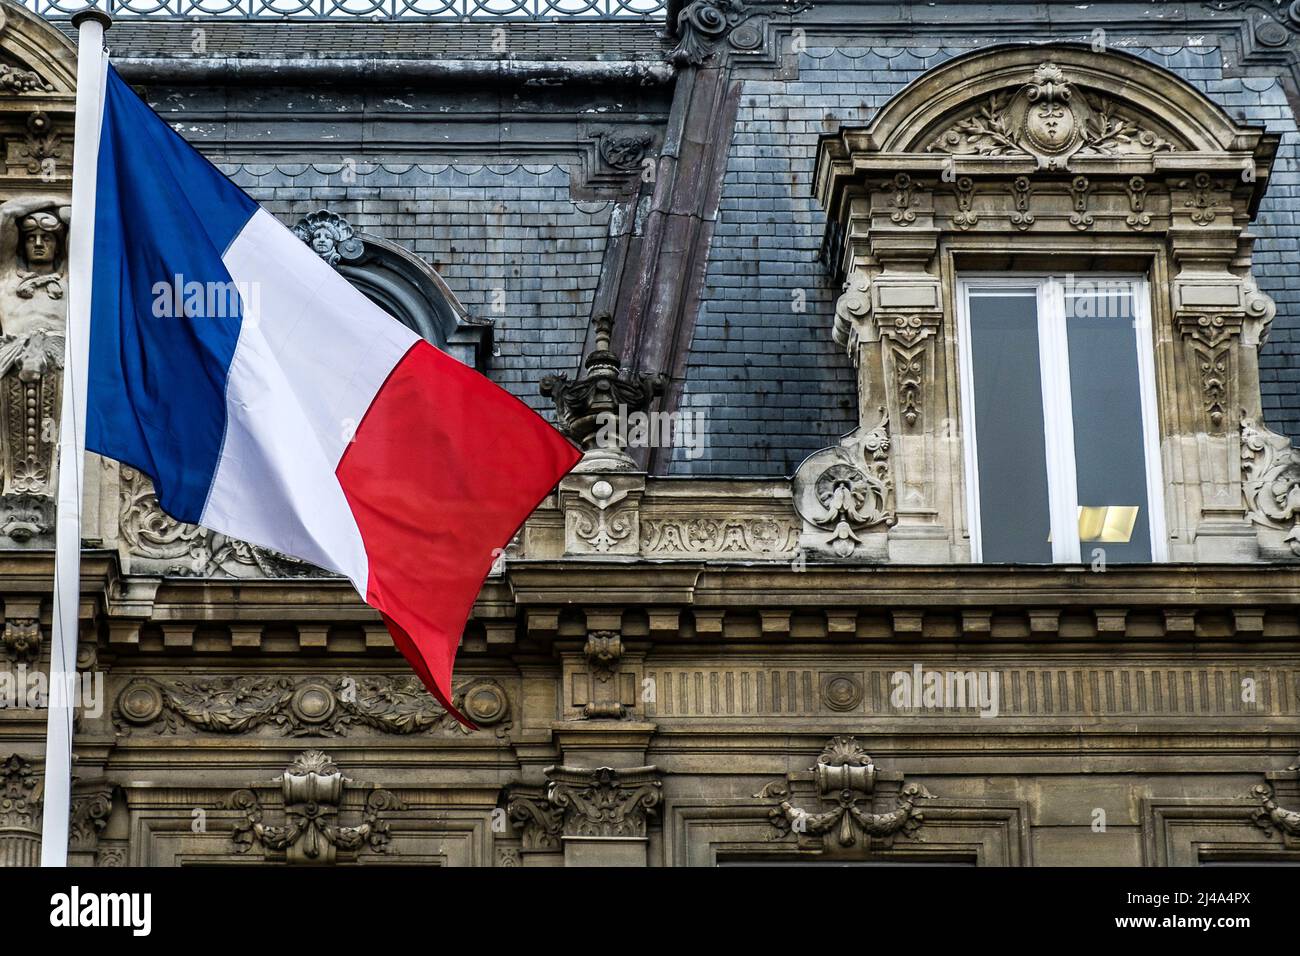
(1107, 523)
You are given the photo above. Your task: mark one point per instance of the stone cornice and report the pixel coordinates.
(692, 601)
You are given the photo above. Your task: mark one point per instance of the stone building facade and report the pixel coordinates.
(852, 594)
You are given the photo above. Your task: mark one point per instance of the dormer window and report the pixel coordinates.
(1048, 298)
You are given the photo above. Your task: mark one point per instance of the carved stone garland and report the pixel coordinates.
(306, 707)
(312, 788)
(846, 777)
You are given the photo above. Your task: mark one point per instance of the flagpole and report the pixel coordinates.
(91, 70)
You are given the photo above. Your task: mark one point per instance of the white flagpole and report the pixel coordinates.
(91, 73)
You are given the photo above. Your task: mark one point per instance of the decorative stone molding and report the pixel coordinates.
(625, 150)
(312, 788)
(289, 707)
(15, 80)
(91, 805)
(585, 408)
(1271, 486)
(601, 497)
(330, 236)
(581, 804)
(603, 651)
(1272, 818)
(22, 796)
(33, 266)
(540, 824)
(602, 513)
(42, 144)
(22, 639)
(1051, 121)
(843, 495)
(1025, 153)
(718, 537)
(701, 26)
(604, 802)
(846, 776)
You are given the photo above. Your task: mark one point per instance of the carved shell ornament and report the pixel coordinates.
(1051, 120)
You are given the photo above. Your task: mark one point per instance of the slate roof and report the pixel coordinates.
(775, 386)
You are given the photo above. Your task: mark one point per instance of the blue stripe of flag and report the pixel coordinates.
(157, 384)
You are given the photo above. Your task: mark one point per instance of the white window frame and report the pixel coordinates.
(1058, 421)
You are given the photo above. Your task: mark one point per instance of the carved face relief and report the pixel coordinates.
(41, 234)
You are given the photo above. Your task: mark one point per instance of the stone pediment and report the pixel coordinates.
(1059, 108)
(35, 58)
(1052, 120)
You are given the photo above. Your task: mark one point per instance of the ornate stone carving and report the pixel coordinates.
(845, 776)
(22, 639)
(584, 404)
(718, 537)
(852, 310)
(603, 651)
(1210, 340)
(1051, 120)
(1270, 817)
(1136, 190)
(844, 491)
(902, 188)
(33, 233)
(15, 80)
(604, 527)
(1079, 189)
(540, 823)
(701, 25)
(42, 143)
(585, 803)
(22, 794)
(1271, 481)
(1022, 192)
(90, 810)
(907, 336)
(625, 151)
(1204, 196)
(306, 707)
(330, 236)
(312, 788)
(604, 802)
(964, 192)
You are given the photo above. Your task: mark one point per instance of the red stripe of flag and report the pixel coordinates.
(443, 469)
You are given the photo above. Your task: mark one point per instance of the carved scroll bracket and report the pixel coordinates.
(844, 496)
(607, 688)
(1271, 489)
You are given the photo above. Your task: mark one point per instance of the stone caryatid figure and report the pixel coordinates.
(33, 281)
(33, 304)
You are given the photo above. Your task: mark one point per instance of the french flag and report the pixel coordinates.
(294, 413)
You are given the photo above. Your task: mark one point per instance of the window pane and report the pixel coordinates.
(1015, 521)
(1110, 464)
